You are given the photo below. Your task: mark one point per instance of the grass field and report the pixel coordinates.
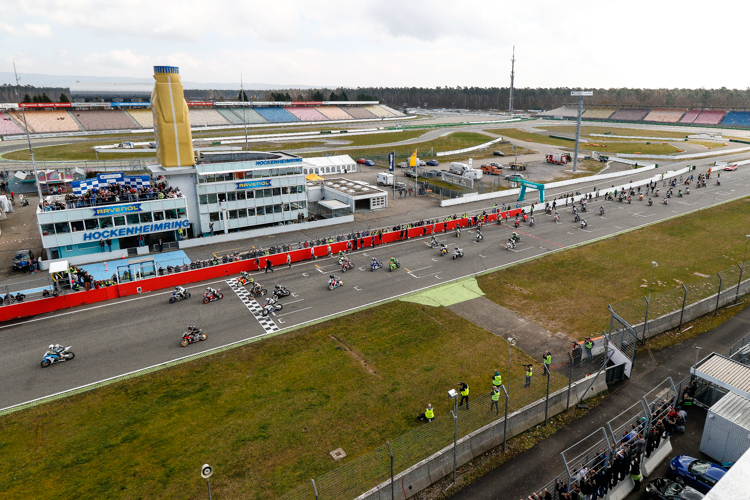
(523, 135)
(632, 147)
(585, 130)
(553, 292)
(264, 415)
(73, 151)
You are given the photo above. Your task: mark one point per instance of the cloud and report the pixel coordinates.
(28, 30)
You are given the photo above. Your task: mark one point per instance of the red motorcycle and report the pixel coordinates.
(212, 295)
(192, 335)
(346, 265)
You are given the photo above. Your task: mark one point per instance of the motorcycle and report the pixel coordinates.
(629, 200)
(192, 335)
(342, 258)
(583, 207)
(212, 295)
(280, 291)
(517, 223)
(666, 201)
(179, 295)
(375, 264)
(334, 282)
(515, 238)
(532, 221)
(393, 265)
(583, 224)
(57, 357)
(718, 182)
(640, 197)
(679, 194)
(601, 211)
(480, 236)
(510, 245)
(257, 290)
(271, 306)
(244, 278)
(347, 264)
(457, 253)
(576, 218)
(687, 191)
(443, 250)
(557, 217)
(433, 243)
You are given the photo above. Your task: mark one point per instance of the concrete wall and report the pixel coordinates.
(254, 233)
(424, 473)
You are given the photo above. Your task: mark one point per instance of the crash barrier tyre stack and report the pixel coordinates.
(83, 297)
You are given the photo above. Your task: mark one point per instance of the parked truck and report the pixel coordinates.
(558, 158)
(465, 170)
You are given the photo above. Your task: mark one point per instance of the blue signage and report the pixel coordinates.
(253, 184)
(130, 208)
(136, 230)
(392, 162)
(279, 162)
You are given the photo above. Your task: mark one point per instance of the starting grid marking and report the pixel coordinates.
(252, 305)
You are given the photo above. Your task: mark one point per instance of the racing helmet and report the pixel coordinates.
(51, 347)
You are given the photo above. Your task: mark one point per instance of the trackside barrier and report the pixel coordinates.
(51, 304)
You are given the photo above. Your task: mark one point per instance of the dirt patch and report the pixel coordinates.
(355, 355)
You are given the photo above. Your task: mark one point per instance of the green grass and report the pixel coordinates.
(73, 151)
(264, 415)
(632, 147)
(569, 291)
(523, 135)
(586, 130)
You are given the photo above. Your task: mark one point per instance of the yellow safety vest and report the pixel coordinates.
(529, 371)
(429, 413)
(589, 344)
(465, 392)
(548, 360)
(497, 380)
(495, 395)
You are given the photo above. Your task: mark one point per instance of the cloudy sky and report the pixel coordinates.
(579, 43)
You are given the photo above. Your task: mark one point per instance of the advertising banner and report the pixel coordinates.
(253, 184)
(136, 230)
(45, 105)
(117, 210)
(392, 162)
(110, 178)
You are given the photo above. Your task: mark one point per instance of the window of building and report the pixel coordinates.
(222, 197)
(171, 214)
(158, 216)
(133, 219)
(146, 217)
(250, 195)
(240, 195)
(267, 193)
(301, 189)
(105, 222)
(48, 229)
(239, 175)
(232, 196)
(181, 213)
(261, 210)
(276, 191)
(210, 178)
(119, 220)
(213, 216)
(201, 179)
(251, 212)
(62, 228)
(241, 213)
(212, 198)
(232, 214)
(91, 224)
(203, 199)
(277, 209)
(285, 190)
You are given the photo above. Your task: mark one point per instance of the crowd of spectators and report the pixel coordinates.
(114, 193)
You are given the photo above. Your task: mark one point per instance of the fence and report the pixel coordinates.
(135, 164)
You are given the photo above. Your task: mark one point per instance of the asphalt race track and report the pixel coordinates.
(126, 335)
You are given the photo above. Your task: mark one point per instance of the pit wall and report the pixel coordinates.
(221, 271)
(421, 475)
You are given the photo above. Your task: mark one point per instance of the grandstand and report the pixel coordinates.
(737, 119)
(334, 113)
(690, 116)
(359, 113)
(206, 117)
(47, 120)
(239, 117)
(143, 117)
(665, 115)
(598, 113)
(105, 119)
(378, 111)
(565, 112)
(709, 117)
(276, 115)
(8, 126)
(629, 114)
(306, 114)
(392, 111)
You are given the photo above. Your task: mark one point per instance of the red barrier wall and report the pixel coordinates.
(35, 307)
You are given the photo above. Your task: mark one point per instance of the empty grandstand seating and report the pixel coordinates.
(45, 121)
(206, 117)
(8, 126)
(737, 118)
(630, 114)
(334, 112)
(563, 111)
(104, 119)
(709, 117)
(276, 115)
(378, 111)
(391, 110)
(598, 113)
(238, 117)
(358, 113)
(144, 117)
(306, 114)
(690, 116)
(665, 115)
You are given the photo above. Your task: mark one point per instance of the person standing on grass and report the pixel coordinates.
(495, 396)
(547, 356)
(529, 373)
(497, 379)
(464, 390)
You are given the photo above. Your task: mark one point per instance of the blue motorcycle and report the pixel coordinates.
(375, 264)
(271, 306)
(52, 357)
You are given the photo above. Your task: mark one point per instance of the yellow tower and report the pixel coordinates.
(174, 141)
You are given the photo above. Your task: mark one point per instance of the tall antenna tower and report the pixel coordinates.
(512, 77)
(244, 118)
(28, 137)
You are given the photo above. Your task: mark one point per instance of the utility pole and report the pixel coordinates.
(512, 77)
(580, 94)
(28, 137)
(244, 119)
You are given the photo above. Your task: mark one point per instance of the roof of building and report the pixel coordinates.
(725, 373)
(352, 188)
(734, 408)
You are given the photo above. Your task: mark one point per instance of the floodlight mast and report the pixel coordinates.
(580, 94)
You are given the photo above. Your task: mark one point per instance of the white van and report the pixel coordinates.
(385, 179)
(458, 168)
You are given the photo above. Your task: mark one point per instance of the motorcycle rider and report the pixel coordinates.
(211, 292)
(434, 242)
(393, 262)
(458, 252)
(480, 236)
(601, 210)
(56, 350)
(179, 290)
(443, 249)
(515, 237)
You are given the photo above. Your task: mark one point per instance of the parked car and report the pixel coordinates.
(410, 173)
(400, 185)
(498, 153)
(402, 164)
(369, 163)
(495, 164)
(517, 176)
(699, 474)
(422, 163)
(662, 488)
(362, 161)
(22, 257)
(433, 163)
(491, 170)
(731, 168)
(433, 173)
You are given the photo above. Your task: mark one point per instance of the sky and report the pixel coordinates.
(362, 43)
